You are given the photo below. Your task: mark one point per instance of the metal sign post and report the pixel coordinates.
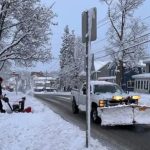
(88, 24)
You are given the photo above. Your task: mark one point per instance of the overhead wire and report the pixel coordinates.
(101, 40)
(123, 49)
(104, 50)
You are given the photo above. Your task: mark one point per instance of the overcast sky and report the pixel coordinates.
(69, 13)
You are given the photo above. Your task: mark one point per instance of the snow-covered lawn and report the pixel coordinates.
(40, 130)
(53, 93)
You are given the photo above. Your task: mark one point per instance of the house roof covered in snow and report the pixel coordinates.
(147, 61)
(141, 63)
(44, 78)
(82, 73)
(142, 76)
(101, 83)
(99, 64)
(106, 78)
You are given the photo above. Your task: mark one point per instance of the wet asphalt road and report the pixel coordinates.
(115, 138)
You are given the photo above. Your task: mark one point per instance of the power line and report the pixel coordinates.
(98, 41)
(103, 24)
(123, 49)
(101, 40)
(124, 42)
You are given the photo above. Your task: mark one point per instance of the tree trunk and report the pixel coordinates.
(120, 73)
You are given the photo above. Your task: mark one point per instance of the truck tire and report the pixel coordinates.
(75, 108)
(94, 116)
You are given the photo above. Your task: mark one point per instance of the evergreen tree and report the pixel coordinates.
(67, 58)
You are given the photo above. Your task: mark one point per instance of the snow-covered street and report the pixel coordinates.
(40, 130)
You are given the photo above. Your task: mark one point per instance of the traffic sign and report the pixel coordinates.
(89, 25)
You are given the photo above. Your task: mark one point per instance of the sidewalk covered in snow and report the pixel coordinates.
(40, 130)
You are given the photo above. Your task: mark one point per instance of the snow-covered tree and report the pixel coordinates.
(67, 62)
(123, 34)
(79, 57)
(5, 70)
(25, 29)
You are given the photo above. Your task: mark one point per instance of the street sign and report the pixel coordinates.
(88, 34)
(89, 25)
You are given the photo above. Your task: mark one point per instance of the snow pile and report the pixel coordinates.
(142, 115)
(53, 93)
(144, 100)
(42, 129)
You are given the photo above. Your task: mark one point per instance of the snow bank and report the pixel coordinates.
(145, 98)
(40, 130)
(53, 93)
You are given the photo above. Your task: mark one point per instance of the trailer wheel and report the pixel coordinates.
(94, 116)
(75, 108)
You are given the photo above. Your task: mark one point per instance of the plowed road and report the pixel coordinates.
(116, 138)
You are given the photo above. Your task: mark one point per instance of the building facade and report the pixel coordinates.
(142, 81)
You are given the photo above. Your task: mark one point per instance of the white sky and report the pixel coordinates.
(69, 13)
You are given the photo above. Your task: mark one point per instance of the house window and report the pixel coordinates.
(112, 72)
(130, 84)
(138, 84)
(146, 85)
(141, 84)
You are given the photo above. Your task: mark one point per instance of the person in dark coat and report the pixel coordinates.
(1, 96)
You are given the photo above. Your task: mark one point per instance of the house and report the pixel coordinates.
(37, 74)
(142, 81)
(101, 70)
(48, 84)
(107, 72)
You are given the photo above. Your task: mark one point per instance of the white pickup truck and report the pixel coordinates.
(110, 105)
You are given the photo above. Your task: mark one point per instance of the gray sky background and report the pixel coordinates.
(69, 13)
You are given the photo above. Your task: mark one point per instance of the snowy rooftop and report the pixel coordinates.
(44, 78)
(144, 75)
(105, 78)
(141, 63)
(99, 64)
(147, 60)
(100, 82)
(82, 73)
